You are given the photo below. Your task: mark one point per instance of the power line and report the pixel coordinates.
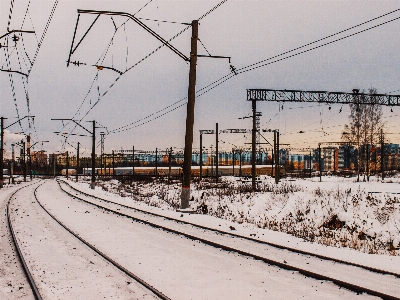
(249, 68)
(161, 46)
(143, 7)
(319, 40)
(255, 65)
(44, 34)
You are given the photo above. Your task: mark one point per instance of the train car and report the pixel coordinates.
(177, 171)
(88, 171)
(70, 172)
(147, 171)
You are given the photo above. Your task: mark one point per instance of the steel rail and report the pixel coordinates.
(28, 274)
(239, 236)
(350, 286)
(107, 258)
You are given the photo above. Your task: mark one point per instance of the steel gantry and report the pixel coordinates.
(322, 97)
(355, 97)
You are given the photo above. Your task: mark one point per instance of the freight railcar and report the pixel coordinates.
(177, 171)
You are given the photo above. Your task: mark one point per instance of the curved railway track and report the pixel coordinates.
(28, 273)
(307, 272)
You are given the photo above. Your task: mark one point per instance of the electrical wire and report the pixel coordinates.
(255, 65)
(143, 7)
(44, 34)
(154, 51)
(322, 39)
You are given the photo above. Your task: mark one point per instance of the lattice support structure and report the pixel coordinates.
(322, 97)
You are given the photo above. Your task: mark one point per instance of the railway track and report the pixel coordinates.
(315, 266)
(28, 274)
(35, 283)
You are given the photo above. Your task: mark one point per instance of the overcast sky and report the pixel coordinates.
(247, 31)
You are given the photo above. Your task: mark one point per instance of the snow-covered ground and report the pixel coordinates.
(339, 212)
(285, 214)
(13, 284)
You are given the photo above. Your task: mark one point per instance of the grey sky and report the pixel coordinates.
(248, 31)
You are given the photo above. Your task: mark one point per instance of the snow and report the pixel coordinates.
(180, 267)
(366, 214)
(186, 269)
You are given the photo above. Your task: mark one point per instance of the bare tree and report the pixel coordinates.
(365, 124)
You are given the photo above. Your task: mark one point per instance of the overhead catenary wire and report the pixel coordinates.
(44, 34)
(143, 7)
(243, 70)
(154, 51)
(322, 39)
(257, 65)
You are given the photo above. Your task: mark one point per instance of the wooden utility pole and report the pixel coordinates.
(187, 163)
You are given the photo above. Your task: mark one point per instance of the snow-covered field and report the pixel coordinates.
(338, 212)
(283, 214)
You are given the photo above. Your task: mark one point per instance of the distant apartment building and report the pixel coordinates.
(347, 158)
(39, 158)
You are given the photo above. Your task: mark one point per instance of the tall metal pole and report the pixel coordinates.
(169, 164)
(102, 153)
(319, 162)
(77, 162)
(382, 155)
(187, 163)
(233, 162)
(93, 184)
(24, 160)
(216, 153)
(1, 152)
(67, 165)
(274, 159)
(12, 163)
(201, 156)
(253, 146)
(277, 165)
(156, 163)
(133, 161)
(28, 154)
(113, 163)
(54, 166)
